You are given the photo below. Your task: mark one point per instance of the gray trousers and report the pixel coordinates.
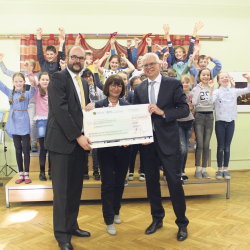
(32, 113)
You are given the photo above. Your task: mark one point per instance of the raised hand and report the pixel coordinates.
(39, 33)
(1, 57)
(158, 47)
(149, 41)
(112, 40)
(198, 26)
(88, 62)
(165, 65)
(197, 47)
(232, 81)
(107, 54)
(247, 76)
(62, 30)
(211, 84)
(136, 40)
(32, 80)
(62, 38)
(63, 64)
(28, 67)
(165, 56)
(208, 58)
(129, 42)
(78, 39)
(123, 57)
(166, 28)
(96, 64)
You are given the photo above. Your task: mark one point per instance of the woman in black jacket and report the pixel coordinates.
(113, 161)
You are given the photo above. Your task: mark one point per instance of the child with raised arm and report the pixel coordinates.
(178, 53)
(203, 61)
(114, 62)
(204, 120)
(225, 114)
(18, 125)
(41, 118)
(29, 64)
(50, 66)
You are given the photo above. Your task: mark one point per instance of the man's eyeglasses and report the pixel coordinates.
(150, 65)
(74, 58)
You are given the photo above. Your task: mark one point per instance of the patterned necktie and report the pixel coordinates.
(152, 93)
(78, 78)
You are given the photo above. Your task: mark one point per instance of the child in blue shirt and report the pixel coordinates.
(178, 53)
(18, 122)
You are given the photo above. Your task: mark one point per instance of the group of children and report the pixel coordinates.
(29, 101)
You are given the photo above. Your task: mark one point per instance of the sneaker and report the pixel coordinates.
(42, 176)
(34, 148)
(111, 229)
(96, 175)
(219, 175)
(226, 175)
(131, 176)
(195, 145)
(205, 175)
(142, 177)
(86, 176)
(27, 179)
(184, 177)
(117, 219)
(198, 175)
(20, 179)
(125, 183)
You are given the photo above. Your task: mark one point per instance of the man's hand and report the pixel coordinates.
(129, 42)
(84, 142)
(78, 39)
(1, 57)
(39, 33)
(149, 41)
(152, 108)
(89, 107)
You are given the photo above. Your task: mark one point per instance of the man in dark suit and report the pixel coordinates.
(68, 96)
(167, 103)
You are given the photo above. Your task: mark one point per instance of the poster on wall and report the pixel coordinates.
(243, 101)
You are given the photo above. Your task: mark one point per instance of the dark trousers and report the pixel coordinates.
(42, 155)
(224, 133)
(134, 150)
(113, 164)
(67, 181)
(185, 133)
(171, 168)
(22, 144)
(203, 125)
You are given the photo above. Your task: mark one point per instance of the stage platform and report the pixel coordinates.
(42, 190)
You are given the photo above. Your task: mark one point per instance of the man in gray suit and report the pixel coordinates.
(68, 96)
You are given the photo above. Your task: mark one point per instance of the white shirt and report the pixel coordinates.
(73, 76)
(156, 87)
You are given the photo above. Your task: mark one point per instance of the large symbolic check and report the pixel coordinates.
(116, 126)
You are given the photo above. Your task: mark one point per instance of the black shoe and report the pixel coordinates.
(34, 148)
(80, 233)
(86, 176)
(65, 246)
(182, 234)
(49, 174)
(153, 227)
(185, 178)
(182, 183)
(96, 175)
(42, 176)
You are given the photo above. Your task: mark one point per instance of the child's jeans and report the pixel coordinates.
(185, 133)
(224, 133)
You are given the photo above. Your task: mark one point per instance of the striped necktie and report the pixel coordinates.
(79, 81)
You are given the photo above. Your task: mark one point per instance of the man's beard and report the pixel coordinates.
(71, 67)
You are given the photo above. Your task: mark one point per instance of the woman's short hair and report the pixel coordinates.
(113, 79)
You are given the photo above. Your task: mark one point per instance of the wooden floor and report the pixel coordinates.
(215, 223)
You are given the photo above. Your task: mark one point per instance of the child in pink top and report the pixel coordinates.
(41, 117)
